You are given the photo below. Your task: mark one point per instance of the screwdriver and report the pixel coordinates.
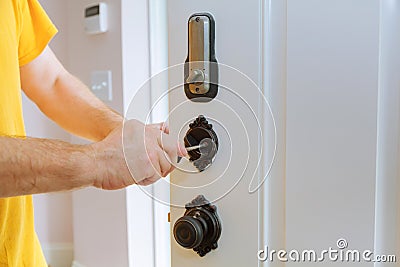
(190, 148)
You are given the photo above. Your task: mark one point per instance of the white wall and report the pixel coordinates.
(53, 212)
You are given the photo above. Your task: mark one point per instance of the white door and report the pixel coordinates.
(236, 117)
(316, 62)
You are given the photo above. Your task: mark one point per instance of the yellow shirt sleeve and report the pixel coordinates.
(36, 31)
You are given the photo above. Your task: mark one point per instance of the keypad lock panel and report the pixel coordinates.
(201, 70)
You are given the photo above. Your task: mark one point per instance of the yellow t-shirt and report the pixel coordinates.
(25, 30)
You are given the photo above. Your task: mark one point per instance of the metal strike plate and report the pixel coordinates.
(201, 68)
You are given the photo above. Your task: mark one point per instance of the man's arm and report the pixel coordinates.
(66, 100)
(29, 166)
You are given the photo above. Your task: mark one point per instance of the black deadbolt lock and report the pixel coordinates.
(200, 227)
(201, 134)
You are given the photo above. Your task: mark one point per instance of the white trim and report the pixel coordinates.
(77, 264)
(58, 254)
(158, 43)
(387, 200)
(274, 47)
(135, 51)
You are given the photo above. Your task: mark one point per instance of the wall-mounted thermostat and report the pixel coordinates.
(96, 18)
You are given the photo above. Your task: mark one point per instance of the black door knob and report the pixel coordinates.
(190, 231)
(200, 227)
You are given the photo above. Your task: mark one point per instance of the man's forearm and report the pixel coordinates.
(30, 166)
(76, 109)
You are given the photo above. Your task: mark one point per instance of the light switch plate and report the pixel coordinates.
(101, 84)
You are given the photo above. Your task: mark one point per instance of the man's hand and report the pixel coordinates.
(148, 150)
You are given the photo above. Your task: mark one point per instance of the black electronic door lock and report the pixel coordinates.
(201, 67)
(200, 228)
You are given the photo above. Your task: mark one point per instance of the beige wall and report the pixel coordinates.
(112, 228)
(99, 217)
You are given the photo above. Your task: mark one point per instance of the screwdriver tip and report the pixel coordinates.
(179, 159)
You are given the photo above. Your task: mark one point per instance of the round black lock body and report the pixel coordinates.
(190, 231)
(200, 227)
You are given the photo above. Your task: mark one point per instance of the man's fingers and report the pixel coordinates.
(182, 152)
(173, 147)
(167, 144)
(162, 126)
(154, 160)
(147, 181)
(171, 169)
(165, 163)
